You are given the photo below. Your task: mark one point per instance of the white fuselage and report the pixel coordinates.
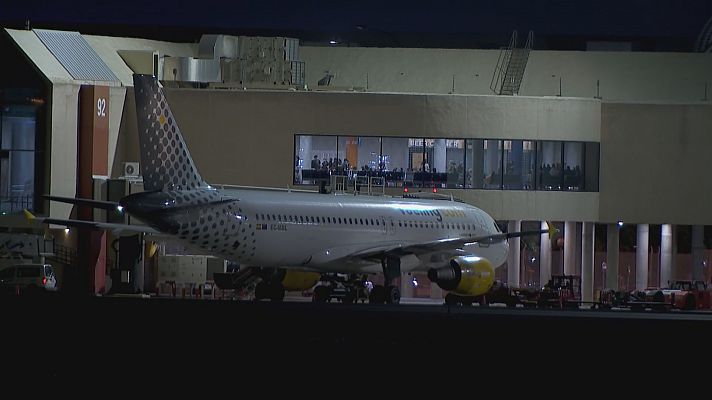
(328, 232)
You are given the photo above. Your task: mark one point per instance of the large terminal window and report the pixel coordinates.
(312, 155)
(396, 157)
(573, 166)
(17, 158)
(550, 166)
(484, 160)
(518, 160)
(454, 165)
(499, 164)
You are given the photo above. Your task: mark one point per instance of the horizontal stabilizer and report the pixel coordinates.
(117, 229)
(106, 205)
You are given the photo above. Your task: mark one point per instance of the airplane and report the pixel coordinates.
(292, 239)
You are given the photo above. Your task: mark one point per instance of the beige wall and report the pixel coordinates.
(624, 76)
(63, 156)
(117, 97)
(247, 138)
(533, 205)
(655, 163)
(630, 76)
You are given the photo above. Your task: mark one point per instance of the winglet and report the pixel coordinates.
(551, 229)
(28, 215)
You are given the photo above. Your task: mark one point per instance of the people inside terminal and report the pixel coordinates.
(449, 163)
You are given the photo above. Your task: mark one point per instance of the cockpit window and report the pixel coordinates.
(496, 227)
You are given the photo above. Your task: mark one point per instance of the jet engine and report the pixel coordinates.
(465, 276)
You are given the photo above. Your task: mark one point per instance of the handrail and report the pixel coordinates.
(530, 41)
(503, 60)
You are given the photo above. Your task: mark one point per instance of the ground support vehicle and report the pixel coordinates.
(636, 300)
(346, 288)
(562, 291)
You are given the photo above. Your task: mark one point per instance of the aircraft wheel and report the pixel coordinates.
(262, 291)
(393, 295)
(321, 294)
(350, 297)
(451, 299)
(690, 303)
(659, 297)
(377, 295)
(276, 291)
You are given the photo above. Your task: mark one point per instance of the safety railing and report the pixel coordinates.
(502, 62)
(15, 204)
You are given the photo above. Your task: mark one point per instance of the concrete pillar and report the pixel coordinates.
(641, 257)
(475, 159)
(305, 150)
(514, 258)
(587, 246)
(517, 158)
(673, 258)
(665, 255)
(545, 257)
(578, 247)
(612, 257)
(406, 286)
(698, 252)
(439, 161)
(570, 248)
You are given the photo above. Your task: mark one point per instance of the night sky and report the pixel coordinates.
(660, 22)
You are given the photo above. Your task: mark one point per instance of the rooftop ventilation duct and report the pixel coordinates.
(218, 46)
(188, 69)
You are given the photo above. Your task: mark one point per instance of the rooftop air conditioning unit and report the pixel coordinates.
(131, 169)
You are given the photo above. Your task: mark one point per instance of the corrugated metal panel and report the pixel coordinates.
(75, 55)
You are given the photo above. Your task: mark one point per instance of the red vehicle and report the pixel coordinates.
(683, 294)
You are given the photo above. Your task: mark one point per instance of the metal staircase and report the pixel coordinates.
(512, 61)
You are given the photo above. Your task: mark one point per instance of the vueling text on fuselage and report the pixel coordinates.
(435, 213)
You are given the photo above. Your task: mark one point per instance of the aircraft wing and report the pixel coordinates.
(454, 245)
(117, 229)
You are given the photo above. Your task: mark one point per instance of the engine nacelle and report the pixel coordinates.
(299, 280)
(466, 276)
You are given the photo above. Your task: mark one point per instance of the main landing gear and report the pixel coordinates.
(387, 293)
(270, 288)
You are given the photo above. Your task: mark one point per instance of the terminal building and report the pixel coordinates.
(610, 145)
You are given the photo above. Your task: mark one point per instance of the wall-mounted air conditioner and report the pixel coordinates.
(130, 169)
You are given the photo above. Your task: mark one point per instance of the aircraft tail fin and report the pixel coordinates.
(165, 161)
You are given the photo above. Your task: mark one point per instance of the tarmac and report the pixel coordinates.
(103, 335)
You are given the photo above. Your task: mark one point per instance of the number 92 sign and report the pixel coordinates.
(101, 107)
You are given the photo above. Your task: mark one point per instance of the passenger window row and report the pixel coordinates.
(436, 225)
(300, 219)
